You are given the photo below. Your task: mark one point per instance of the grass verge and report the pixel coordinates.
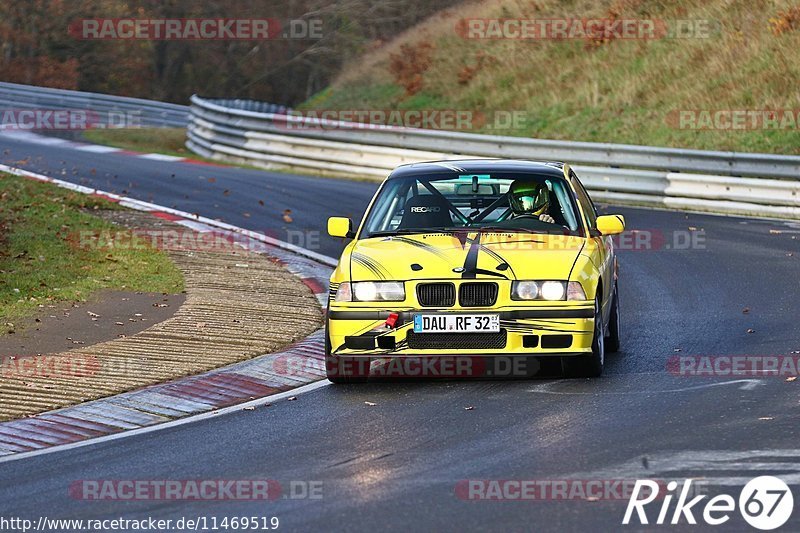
(40, 261)
(169, 141)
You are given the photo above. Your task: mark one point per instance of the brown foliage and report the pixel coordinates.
(44, 71)
(410, 64)
(785, 21)
(619, 9)
(37, 48)
(468, 72)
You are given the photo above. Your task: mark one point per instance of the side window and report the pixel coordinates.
(586, 203)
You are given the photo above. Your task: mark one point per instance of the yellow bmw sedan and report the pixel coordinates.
(475, 258)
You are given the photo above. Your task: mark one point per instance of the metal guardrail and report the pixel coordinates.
(268, 136)
(109, 109)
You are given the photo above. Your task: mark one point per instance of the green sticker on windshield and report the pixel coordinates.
(469, 177)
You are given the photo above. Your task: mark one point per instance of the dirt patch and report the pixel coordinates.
(106, 316)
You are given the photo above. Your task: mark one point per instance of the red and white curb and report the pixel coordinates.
(265, 376)
(249, 383)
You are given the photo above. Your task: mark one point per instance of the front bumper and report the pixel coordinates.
(525, 331)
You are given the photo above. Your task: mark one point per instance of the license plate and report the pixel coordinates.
(456, 323)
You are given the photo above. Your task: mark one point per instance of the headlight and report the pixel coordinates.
(524, 290)
(553, 290)
(370, 291)
(547, 290)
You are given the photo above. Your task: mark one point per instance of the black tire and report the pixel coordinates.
(612, 341)
(344, 369)
(589, 366)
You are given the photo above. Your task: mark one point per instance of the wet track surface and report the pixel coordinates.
(395, 465)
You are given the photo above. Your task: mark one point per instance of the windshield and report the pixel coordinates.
(509, 202)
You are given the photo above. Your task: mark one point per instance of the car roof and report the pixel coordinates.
(553, 169)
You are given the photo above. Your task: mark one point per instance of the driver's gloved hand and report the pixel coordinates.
(547, 218)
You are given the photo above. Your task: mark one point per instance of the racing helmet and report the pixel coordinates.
(528, 197)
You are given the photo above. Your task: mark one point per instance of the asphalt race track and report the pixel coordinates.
(395, 465)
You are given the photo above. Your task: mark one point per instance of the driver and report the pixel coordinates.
(530, 199)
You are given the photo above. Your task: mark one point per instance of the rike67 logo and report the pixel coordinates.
(765, 503)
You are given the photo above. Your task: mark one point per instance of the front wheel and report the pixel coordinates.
(612, 341)
(589, 366)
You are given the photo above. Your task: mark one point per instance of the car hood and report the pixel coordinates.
(464, 255)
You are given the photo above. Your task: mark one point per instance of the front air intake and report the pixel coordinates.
(436, 294)
(477, 294)
(456, 341)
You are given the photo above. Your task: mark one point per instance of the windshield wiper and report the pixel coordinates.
(411, 231)
(466, 229)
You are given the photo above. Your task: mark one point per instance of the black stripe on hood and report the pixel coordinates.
(471, 261)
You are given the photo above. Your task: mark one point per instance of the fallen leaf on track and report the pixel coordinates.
(470, 408)
(791, 378)
(371, 404)
(766, 418)
(291, 398)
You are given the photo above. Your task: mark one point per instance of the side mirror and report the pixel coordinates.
(610, 224)
(340, 227)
